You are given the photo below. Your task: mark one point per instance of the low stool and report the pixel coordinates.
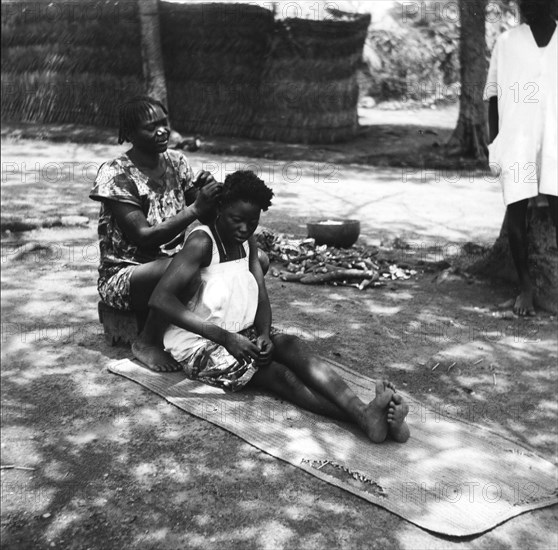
(120, 326)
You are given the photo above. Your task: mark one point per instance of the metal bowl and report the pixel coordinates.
(333, 232)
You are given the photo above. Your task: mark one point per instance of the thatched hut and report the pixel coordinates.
(231, 69)
(214, 56)
(69, 62)
(309, 89)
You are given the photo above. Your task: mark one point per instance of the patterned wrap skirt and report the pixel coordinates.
(212, 364)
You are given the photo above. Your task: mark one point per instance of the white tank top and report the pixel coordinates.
(226, 297)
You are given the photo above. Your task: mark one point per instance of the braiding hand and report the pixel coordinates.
(241, 348)
(265, 346)
(208, 197)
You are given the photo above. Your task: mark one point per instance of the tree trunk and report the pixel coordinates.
(151, 51)
(469, 136)
(543, 257)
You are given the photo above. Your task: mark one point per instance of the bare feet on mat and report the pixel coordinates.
(397, 411)
(154, 357)
(523, 305)
(375, 415)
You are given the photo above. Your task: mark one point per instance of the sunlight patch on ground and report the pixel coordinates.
(275, 535)
(336, 296)
(295, 513)
(174, 434)
(402, 366)
(225, 539)
(547, 405)
(82, 439)
(23, 377)
(304, 334)
(89, 388)
(19, 448)
(330, 506)
(148, 416)
(398, 296)
(247, 465)
(379, 309)
(25, 497)
(59, 524)
(203, 519)
(546, 375)
(158, 536)
(271, 471)
(145, 470)
(182, 498)
(299, 303)
(541, 440)
(488, 382)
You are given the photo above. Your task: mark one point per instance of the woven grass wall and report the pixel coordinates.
(309, 90)
(214, 57)
(230, 68)
(69, 62)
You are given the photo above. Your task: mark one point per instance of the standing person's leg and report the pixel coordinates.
(148, 348)
(553, 207)
(321, 377)
(517, 236)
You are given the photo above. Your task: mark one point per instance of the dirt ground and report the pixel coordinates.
(110, 465)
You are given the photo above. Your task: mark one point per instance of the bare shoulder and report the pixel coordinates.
(198, 246)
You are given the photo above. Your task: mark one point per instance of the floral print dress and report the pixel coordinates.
(120, 180)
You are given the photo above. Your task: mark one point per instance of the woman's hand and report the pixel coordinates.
(203, 178)
(207, 198)
(265, 345)
(241, 348)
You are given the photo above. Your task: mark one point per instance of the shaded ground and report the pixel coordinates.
(414, 138)
(114, 466)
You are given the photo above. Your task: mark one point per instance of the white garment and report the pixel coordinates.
(524, 78)
(227, 297)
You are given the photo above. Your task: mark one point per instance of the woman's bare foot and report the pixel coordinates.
(374, 422)
(154, 357)
(397, 411)
(523, 305)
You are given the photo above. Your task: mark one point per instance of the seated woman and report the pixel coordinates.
(214, 295)
(143, 218)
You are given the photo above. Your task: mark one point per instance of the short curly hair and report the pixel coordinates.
(244, 185)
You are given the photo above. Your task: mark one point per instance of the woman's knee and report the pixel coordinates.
(287, 341)
(144, 279)
(282, 378)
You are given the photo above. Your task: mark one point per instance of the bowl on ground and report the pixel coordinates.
(334, 232)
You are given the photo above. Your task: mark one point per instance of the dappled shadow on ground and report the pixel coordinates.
(50, 180)
(114, 465)
(403, 138)
(444, 343)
